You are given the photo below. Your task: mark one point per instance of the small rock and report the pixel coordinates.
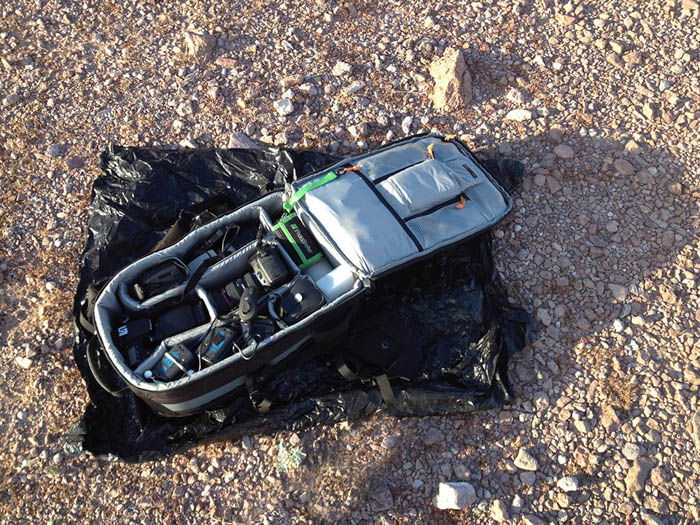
(24, 362)
(54, 150)
(568, 484)
(618, 292)
(675, 188)
(553, 184)
(519, 115)
(389, 442)
(623, 167)
(74, 163)
(668, 238)
(283, 107)
(612, 226)
(199, 45)
(359, 130)
(648, 111)
(417, 484)
(433, 436)
(583, 426)
(292, 80)
(241, 140)
(341, 68)
(544, 316)
(531, 519)
(525, 461)
(637, 475)
(406, 124)
(453, 82)
(354, 87)
(564, 151)
(380, 498)
(308, 88)
(499, 511)
(11, 99)
(631, 451)
(649, 518)
(455, 495)
(226, 62)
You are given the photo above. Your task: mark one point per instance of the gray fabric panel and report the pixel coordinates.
(423, 186)
(395, 159)
(366, 231)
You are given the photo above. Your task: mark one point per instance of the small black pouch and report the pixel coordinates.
(301, 299)
(160, 278)
(179, 319)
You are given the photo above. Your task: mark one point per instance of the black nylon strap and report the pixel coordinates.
(199, 272)
(257, 398)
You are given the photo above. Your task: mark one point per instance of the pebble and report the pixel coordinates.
(283, 107)
(619, 292)
(354, 87)
(11, 99)
(54, 150)
(564, 151)
(525, 461)
(519, 115)
(624, 167)
(406, 124)
(568, 484)
(499, 511)
(24, 362)
(631, 451)
(341, 68)
(695, 430)
(455, 495)
(433, 436)
(308, 88)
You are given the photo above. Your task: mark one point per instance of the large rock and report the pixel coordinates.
(455, 495)
(200, 45)
(453, 83)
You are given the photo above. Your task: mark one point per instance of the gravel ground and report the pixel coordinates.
(602, 245)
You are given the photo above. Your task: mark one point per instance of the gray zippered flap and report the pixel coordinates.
(404, 202)
(362, 228)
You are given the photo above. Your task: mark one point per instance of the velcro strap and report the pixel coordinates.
(299, 194)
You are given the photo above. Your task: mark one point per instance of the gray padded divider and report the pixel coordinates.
(357, 221)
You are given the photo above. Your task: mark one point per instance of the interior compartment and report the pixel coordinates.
(117, 304)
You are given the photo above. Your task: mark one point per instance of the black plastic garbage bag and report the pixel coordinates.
(454, 303)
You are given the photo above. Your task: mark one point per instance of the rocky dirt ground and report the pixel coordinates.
(601, 102)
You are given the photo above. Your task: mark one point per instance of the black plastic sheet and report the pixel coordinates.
(455, 302)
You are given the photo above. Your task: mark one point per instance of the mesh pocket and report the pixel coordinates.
(447, 223)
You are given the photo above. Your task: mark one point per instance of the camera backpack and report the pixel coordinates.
(265, 286)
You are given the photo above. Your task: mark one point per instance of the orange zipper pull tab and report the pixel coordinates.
(462, 202)
(431, 155)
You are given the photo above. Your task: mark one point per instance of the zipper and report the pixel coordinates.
(381, 179)
(453, 200)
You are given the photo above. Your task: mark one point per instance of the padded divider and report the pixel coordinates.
(356, 220)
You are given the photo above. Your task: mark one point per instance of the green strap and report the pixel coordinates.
(291, 202)
(282, 225)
